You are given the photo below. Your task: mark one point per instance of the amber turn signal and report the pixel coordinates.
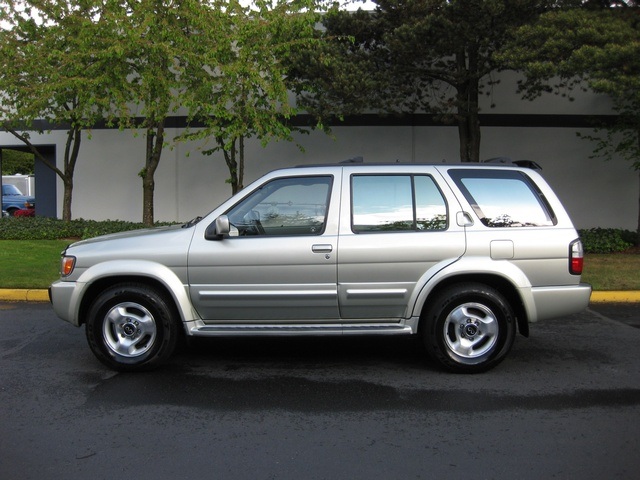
(67, 265)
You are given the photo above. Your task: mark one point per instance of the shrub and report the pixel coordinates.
(605, 240)
(630, 237)
(40, 228)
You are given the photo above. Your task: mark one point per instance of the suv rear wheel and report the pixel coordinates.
(468, 328)
(131, 327)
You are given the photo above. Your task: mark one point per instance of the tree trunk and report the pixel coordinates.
(469, 135)
(240, 185)
(463, 135)
(148, 186)
(155, 141)
(467, 110)
(71, 152)
(232, 163)
(67, 197)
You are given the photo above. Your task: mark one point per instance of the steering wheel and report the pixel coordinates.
(254, 226)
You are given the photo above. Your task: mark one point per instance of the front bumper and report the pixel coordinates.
(62, 298)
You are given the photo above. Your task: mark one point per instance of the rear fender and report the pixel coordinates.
(472, 268)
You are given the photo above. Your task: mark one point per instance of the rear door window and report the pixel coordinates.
(392, 203)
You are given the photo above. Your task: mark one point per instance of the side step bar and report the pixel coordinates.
(202, 330)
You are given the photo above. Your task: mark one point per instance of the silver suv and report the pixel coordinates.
(461, 255)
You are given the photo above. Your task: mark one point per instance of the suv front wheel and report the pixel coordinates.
(130, 327)
(468, 327)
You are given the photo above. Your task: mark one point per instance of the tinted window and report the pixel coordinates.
(287, 206)
(396, 203)
(504, 198)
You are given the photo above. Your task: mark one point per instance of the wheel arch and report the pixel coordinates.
(158, 277)
(503, 285)
(94, 289)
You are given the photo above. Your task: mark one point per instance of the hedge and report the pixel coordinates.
(41, 228)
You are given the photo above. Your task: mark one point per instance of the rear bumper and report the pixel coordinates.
(553, 302)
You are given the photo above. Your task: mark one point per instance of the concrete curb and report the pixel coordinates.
(35, 295)
(631, 296)
(23, 295)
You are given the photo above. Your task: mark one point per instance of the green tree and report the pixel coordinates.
(52, 69)
(160, 44)
(590, 48)
(243, 91)
(16, 162)
(408, 56)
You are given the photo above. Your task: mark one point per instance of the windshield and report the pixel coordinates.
(10, 190)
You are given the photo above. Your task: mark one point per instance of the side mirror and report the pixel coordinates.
(218, 229)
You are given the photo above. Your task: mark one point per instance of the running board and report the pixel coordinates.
(202, 330)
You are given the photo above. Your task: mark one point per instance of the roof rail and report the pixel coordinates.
(358, 159)
(520, 163)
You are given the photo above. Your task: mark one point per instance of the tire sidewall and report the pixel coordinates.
(449, 300)
(166, 328)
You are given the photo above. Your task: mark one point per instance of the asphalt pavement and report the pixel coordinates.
(628, 313)
(564, 404)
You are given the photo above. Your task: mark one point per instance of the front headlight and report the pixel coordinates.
(67, 265)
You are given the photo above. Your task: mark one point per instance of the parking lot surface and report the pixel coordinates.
(564, 404)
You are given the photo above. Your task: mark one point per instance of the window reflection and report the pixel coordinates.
(290, 206)
(396, 203)
(504, 198)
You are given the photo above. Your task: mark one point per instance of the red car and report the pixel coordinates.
(25, 212)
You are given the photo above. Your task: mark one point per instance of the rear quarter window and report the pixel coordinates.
(504, 198)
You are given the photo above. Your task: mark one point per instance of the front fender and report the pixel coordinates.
(120, 269)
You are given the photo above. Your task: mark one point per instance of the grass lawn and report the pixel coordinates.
(35, 264)
(30, 263)
(616, 271)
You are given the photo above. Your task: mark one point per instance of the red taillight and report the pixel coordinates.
(576, 258)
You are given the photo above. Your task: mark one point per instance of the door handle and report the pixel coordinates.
(322, 248)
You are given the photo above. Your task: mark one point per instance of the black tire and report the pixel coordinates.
(468, 328)
(131, 327)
